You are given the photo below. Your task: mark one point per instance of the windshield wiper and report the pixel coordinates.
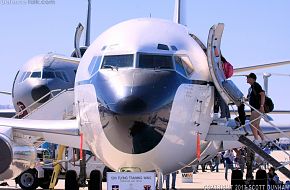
(111, 66)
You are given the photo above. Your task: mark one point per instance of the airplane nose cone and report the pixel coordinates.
(131, 104)
(39, 92)
(135, 91)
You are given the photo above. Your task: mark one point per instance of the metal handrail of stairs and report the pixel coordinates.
(51, 93)
(243, 139)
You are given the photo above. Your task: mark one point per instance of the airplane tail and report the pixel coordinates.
(179, 12)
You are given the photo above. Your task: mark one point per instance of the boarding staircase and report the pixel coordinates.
(59, 106)
(219, 129)
(243, 139)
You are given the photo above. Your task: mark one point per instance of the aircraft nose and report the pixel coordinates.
(130, 104)
(135, 91)
(39, 92)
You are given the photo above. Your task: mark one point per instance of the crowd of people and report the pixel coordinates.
(236, 159)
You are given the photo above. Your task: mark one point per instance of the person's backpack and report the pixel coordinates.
(268, 105)
(228, 69)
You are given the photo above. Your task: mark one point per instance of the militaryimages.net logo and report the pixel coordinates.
(27, 2)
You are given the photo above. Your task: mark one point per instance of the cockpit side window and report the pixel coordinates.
(117, 61)
(186, 63)
(21, 77)
(61, 75)
(25, 76)
(65, 77)
(155, 61)
(36, 74)
(95, 64)
(179, 66)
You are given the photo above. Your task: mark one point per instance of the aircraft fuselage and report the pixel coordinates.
(143, 92)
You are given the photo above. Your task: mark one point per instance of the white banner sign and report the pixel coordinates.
(187, 177)
(130, 181)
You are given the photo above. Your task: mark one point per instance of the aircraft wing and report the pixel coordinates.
(5, 92)
(65, 132)
(8, 113)
(263, 66)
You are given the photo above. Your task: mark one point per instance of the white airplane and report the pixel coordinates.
(40, 78)
(46, 75)
(144, 96)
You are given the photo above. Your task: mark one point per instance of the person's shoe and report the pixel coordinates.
(215, 116)
(264, 143)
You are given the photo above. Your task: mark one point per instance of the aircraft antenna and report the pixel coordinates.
(88, 28)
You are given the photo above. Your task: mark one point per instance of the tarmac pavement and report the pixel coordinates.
(202, 180)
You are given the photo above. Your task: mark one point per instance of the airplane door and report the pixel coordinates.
(227, 89)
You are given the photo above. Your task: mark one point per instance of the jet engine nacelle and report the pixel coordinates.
(14, 158)
(6, 154)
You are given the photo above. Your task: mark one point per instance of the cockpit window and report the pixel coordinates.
(187, 65)
(95, 64)
(24, 76)
(65, 77)
(36, 75)
(183, 65)
(61, 75)
(117, 61)
(155, 61)
(178, 65)
(48, 75)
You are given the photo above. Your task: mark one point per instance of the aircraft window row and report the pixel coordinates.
(55, 74)
(116, 61)
(180, 63)
(44, 75)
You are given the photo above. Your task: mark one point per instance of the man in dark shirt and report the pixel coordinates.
(256, 98)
